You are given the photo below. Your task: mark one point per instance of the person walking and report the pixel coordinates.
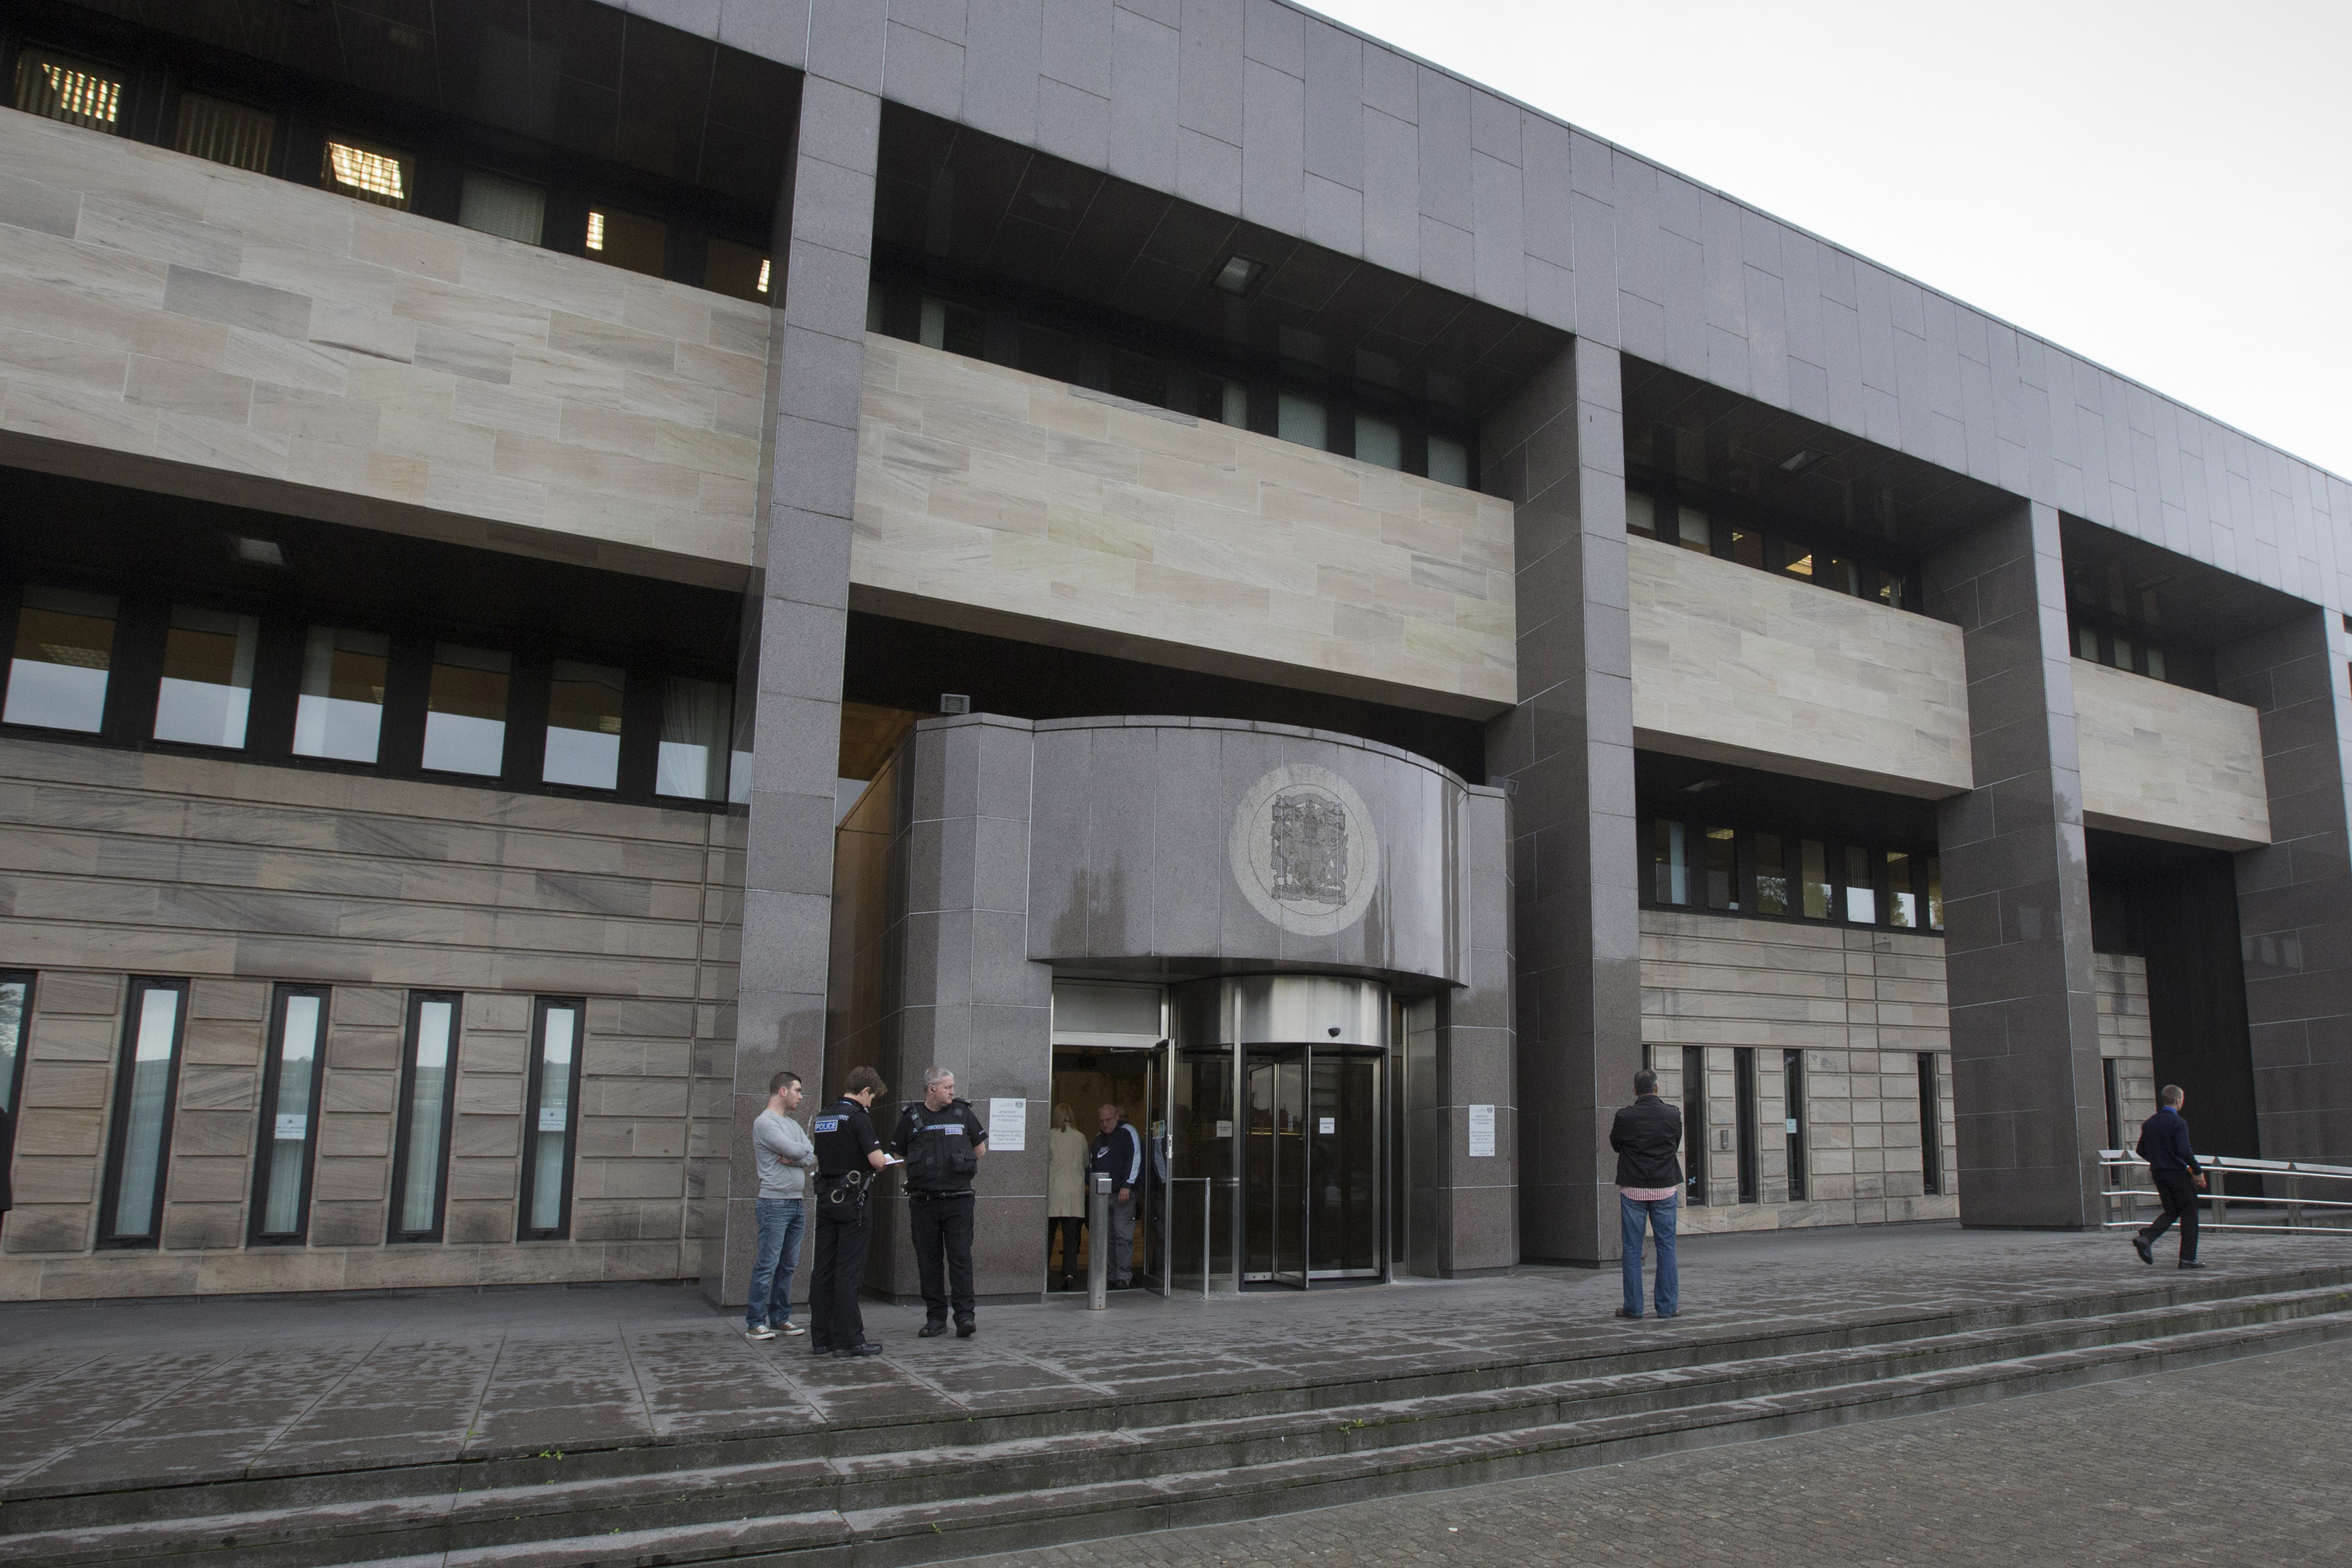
(1119, 1155)
(847, 1156)
(1066, 1192)
(785, 1156)
(2164, 1144)
(941, 1142)
(1648, 1138)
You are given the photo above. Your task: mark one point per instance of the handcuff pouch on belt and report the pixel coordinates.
(849, 1187)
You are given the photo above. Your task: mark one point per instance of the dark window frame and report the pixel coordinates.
(1778, 535)
(403, 1122)
(1792, 1113)
(1694, 1126)
(15, 1106)
(1747, 1124)
(534, 1083)
(118, 1114)
(267, 1151)
(1931, 1126)
(1696, 828)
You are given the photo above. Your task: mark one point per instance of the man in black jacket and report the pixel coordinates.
(2164, 1144)
(1648, 1138)
(1119, 1155)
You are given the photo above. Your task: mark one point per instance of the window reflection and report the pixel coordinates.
(1722, 870)
(1861, 897)
(466, 710)
(65, 646)
(696, 719)
(584, 725)
(1671, 871)
(1771, 876)
(1902, 902)
(208, 677)
(1814, 857)
(1303, 419)
(1449, 461)
(1378, 442)
(508, 208)
(340, 713)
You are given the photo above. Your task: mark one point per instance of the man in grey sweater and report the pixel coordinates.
(784, 1154)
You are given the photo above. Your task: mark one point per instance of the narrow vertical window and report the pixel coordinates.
(1378, 442)
(1641, 515)
(1692, 530)
(208, 677)
(1792, 1102)
(1224, 400)
(508, 208)
(1889, 588)
(139, 1152)
(1743, 1094)
(547, 1137)
(15, 1032)
(289, 1116)
(1670, 863)
(466, 710)
(1813, 857)
(340, 712)
(1722, 868)
(65, 646)
(1931, 1137)
(1861, 892)
(2111, 1074)
(1902, 899)
(2123, 659)
(1449, 461)
(420, 1150)
(697, 717)
(223, 132)
(1695, 1124)
(1303, 419)
(1935, 879)
(79, 93)
(1771, 876)
(584, 725)
(2155, 662)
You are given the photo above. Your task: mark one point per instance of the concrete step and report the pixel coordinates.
(910, 1502)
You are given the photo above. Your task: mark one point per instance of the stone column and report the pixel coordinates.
(2017, 890)
(2294, 896)
(1557, 450)
(799, 610)
(1476, 1202)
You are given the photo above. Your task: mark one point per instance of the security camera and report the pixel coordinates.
(1333, 1031)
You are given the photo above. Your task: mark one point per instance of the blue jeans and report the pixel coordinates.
(771, 1302)
(1660, 1218)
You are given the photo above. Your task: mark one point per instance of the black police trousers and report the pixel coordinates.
(844, 1230)
(943, 1225)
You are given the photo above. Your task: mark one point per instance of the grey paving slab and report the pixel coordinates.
(180, 1390)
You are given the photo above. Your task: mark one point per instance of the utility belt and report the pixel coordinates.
(917, 1197)
(844, 1189)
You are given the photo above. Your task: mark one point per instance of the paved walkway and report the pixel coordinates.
(2237, 1464)
(200, 1389)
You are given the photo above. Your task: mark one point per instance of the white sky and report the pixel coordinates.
(2161, 186)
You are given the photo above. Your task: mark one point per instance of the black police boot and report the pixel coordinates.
(869, 1348)
(933, 1330)
(966, 1328)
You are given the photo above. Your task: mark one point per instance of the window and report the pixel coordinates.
(1449, 461)
(420, 1149)
(1693, 1124)
(1641, 515)
(1224, 400)
(369, 171)
(1378, 442)
(737, 270)
(1722, 870)
(2111, 1075)
(508, 208)
(1861, 895)
(223, 132)
(1743, 1093)
(1692, 530)
(553, 1099)
(15, 1033)
(1771, 876)
(697, 716)
(583, 726)
(1792, 1101)
(1935, 869)
(291, 1080)
(1736, 869)
(1747, 546)
(1669, 863)
(65, 645)
(1902, 902)
(146, 1079)
(466, 710)
(1138, 378)
(953, 328)
(1049, 353)
(1931, 1137)
(1814, 856)
(1303, 419)
(629, 240)
(340, 713)
(79, 93)
(208, 677)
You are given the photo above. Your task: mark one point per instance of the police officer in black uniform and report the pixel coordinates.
(941, 1142)
(848, 1157)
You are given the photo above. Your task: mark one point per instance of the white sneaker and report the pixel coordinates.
(789, 1329)
(761, 1332)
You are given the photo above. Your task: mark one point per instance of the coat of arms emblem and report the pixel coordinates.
(1304, 851)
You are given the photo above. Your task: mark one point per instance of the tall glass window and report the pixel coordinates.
(583, 726)
(1793, 1112)
(1693, 1124)
(139, 1152)
(1303, 419)
(1743, 1090)
(1931, 1134)
(508, 208)
(555, 1101)
(628, 239)
(208, 677)
(1641, 514)
(65, 646)
(15, 1032)
(1935, 869)
(1378, 442)
(1813, 859)
(1670, 863)
(1860, 892)
(225, 132)
(697, 718)
(1722, 870)
(1692, 530)
(420, 1150)
(340, 712)
(1223, 400)
(466, 710)
(289, 1116)
(79, 93)
(1771, 876)
(1449, 461)
(1902, 899)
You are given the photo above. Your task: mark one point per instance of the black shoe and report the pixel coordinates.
(2140, 1246)
(820, 1352)
(1623, 1313)
(864, 1350)
(2191, 1263)
(931, 1330)
(966, 1328)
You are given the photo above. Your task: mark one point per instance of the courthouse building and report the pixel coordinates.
(557, 560)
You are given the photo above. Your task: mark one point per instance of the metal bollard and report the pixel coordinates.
(1098, 1245)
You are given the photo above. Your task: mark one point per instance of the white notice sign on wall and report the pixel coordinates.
(1482, 1131)
(1008, 1126)
(1327, 1125)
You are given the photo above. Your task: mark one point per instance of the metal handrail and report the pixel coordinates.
(2121, 1163)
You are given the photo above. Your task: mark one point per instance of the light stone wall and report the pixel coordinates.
(2164, 762)
(181, 326)
(118, 864)
(1861, 1005)
(2122, 984)
(1004, 502)
(1735, 665)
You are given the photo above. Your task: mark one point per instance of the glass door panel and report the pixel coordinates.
(1206, 1187)
(1343, 1140)
(1276, 1177)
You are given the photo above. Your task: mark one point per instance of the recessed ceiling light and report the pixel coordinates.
(1237, 274)
(256, 552)
(1798, 461)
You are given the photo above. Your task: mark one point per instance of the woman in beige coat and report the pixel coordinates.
(1065, 1194)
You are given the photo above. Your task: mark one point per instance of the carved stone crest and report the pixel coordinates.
(1304, 851)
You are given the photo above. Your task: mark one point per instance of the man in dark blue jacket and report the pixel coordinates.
(2164, 1144)
(1119, 1155)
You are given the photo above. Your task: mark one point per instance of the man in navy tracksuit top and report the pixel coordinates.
(1119, 1155)
(2164, 1144)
